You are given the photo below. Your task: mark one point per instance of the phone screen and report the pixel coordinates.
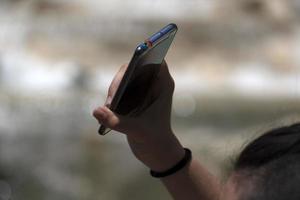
(142, 69)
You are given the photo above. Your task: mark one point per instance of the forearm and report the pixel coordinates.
(193, 182)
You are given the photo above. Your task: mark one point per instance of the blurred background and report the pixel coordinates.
(236, 67)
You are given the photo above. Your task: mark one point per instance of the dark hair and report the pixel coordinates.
(272, 161)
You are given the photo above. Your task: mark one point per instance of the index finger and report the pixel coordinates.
(115, 84)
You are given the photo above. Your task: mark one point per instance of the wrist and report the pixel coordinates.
(166, 159)
(174, 169)
(164, 152)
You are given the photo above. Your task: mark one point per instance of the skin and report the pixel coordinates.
(242, 184)
(153, 142)
(228, 192)
(231, 189)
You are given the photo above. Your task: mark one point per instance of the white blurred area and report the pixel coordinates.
(236, 65)
(44, 43)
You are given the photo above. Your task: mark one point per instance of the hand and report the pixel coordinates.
(148, 132)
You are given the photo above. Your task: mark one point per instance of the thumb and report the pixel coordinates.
(112, 120)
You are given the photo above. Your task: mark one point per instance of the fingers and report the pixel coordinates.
(111, 120)
(160, 98)
(116, 81)
(105, 117)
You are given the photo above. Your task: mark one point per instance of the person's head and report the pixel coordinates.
(268, 168)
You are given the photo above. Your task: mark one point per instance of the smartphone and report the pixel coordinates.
(148, 55)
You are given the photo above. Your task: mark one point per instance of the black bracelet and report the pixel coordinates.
(181, 164)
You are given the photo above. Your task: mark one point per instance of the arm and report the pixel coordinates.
(153, 142)
(192, 182)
